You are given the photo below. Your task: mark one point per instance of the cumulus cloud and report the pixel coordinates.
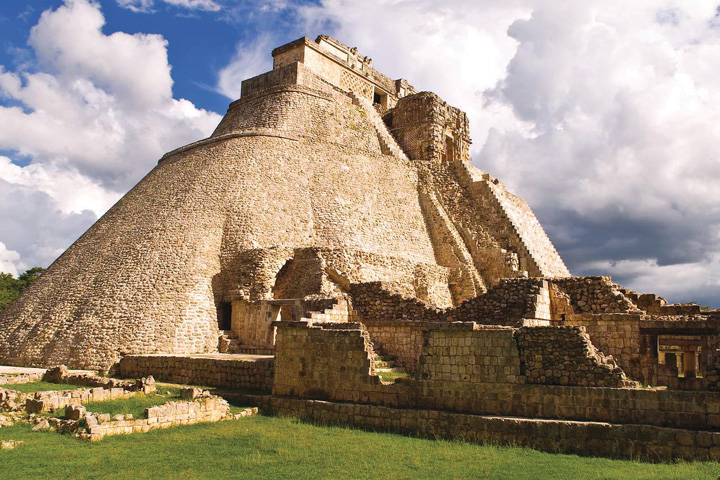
(86, 122)
(147, 6)
(604, 115)
(10, 261)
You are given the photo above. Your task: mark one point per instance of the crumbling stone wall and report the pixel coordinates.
(508, 303)
(378, 301)
(332, 361)
(403, 340)
(505, 304)
(565, 356)
(594, 295)
(343, 373)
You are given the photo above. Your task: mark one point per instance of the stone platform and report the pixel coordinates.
(254, 372)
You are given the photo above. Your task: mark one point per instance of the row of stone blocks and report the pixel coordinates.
(578, 437)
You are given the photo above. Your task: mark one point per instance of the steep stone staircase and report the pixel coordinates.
(228, 342)
(521, 220)
(388, 144)
(339, 313)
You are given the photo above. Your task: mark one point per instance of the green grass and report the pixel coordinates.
(390, 377)
(33, 387)
(268, 447)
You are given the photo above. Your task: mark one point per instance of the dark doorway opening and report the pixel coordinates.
(224, 315)
(377, 98)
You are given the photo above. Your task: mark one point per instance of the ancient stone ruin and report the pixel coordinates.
(333, 222)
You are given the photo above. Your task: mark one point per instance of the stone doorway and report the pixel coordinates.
(224, 315)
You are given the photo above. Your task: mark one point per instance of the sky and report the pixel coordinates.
(603, 115)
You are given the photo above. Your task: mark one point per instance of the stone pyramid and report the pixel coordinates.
(325, 173)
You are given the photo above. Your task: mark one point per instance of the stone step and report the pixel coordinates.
(228, 334)
(228, 342)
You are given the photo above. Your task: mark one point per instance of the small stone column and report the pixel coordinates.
(689, 364)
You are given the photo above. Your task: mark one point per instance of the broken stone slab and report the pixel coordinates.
(75, 412)
(190, 393)
(42, 426)
(56, 374)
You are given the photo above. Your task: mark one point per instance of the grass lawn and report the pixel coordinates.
(33, 387)
(275, 448)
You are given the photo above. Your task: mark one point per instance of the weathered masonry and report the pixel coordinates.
(333, 220)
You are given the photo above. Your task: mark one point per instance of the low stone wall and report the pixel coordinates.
(254, 374)
(20, 378)
(93, 426)
(53, 400)
(565, 356)
(584, 438)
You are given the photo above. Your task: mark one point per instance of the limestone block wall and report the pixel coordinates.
(290, 75)
(565, 356)
(617, 335)
(453, 353)
(254, 374)
(344, 373)
(332, 361)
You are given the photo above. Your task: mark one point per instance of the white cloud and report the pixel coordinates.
(92, 117)
(10, 261)
(696, 281)
(146, 6)
(604, 115)
(250, 59)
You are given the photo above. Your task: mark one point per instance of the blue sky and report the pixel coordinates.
(604, 115)
(200, 42)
